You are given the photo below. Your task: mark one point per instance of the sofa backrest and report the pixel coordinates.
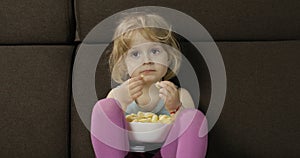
(258, 40)
(36, 65)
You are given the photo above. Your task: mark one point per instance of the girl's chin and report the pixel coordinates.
(150, 79)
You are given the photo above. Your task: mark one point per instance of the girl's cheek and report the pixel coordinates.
(132, 67)
(163, 60)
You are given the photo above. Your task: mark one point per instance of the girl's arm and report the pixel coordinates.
(123, 100)
(175, 99)
(127, 92)
(186, 99)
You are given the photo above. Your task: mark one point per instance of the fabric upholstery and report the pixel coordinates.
(259, 117)
(33, 22)
(259, 41)
(225, 20)
(35, 99)
(81, 145)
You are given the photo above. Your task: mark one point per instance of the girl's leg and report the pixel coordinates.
(108, 130)
(185, 138)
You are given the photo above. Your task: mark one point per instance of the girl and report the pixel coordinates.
(145, 56)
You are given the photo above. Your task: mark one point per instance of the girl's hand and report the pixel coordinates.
(128, 91)
(135, 86)
(170, 94)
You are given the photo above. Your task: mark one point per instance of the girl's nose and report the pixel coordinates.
(147, 58)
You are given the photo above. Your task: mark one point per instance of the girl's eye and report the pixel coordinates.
(155, 51)
(135, 54)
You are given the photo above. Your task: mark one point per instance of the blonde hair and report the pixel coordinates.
(152, 27)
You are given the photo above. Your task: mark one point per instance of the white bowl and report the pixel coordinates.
(148, 132)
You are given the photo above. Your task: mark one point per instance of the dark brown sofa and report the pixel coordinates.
(259, 41)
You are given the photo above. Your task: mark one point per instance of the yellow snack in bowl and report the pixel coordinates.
(131, 117)
(144, 120)
(148, 114)
(140, 114)
(154, 118)
(162, 117)
(149, 117)
(166, 121)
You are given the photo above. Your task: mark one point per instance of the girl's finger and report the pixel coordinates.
(135, 84)
(163, 97)
(170, 90)
(136, 95)
(168, 84)
(136, 89)
(164, 92)
(131, 80)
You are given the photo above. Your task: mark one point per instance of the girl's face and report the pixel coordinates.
(146, 58)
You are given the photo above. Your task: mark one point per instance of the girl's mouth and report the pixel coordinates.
(147, 71)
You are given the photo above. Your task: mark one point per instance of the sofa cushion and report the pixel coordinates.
(225, 20)
(260, 114)
(35, 100)
(32, 22)
(81, 145)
